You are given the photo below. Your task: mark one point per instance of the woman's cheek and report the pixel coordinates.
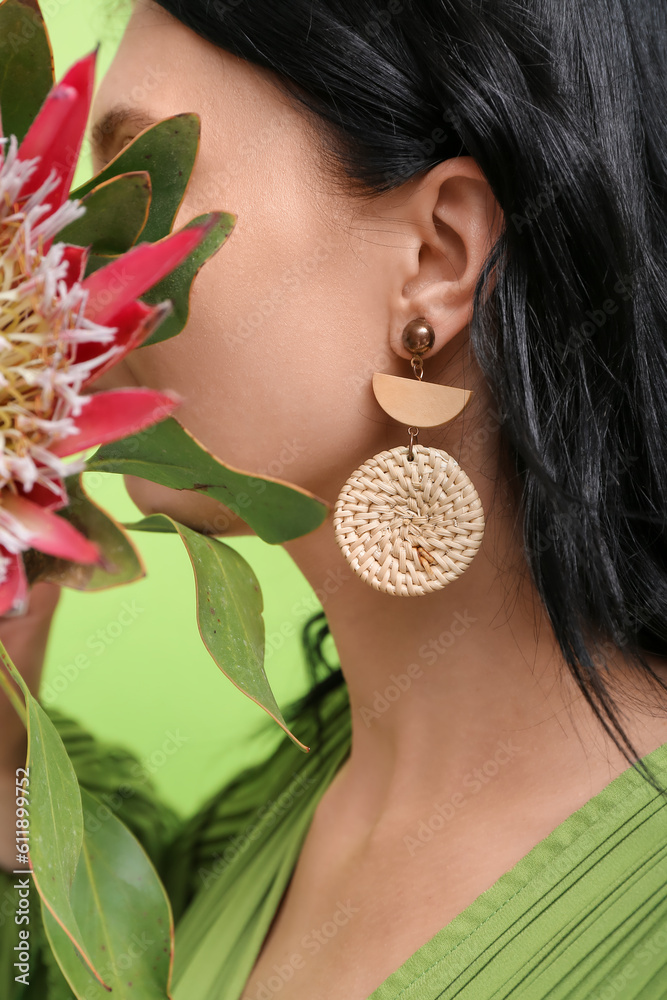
(201, 513)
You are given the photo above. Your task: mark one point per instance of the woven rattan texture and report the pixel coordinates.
(409, 528)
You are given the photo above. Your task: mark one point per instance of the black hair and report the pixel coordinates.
(562, 105)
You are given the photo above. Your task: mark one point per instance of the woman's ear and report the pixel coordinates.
(455, 220)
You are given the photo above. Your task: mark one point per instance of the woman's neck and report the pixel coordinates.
(447, 684)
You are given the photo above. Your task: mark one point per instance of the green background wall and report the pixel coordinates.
(128, 663)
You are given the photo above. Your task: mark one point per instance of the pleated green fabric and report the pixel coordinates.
(242, 879)
(583, 916)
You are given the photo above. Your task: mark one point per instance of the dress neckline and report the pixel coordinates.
(602, 808)
(601, 851)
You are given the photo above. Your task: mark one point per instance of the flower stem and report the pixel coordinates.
(8, 688)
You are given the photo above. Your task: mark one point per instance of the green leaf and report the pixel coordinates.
(120, 901)
(124, 564)
(104, 908)
(168, 454)
(177, 285)
(56, 821)
(229, 612)
(167, 151)
(116, 213)
(96, 261)
(26, 65)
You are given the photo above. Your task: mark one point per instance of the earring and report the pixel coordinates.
(409, 520)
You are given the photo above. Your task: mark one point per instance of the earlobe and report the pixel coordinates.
(458, 220)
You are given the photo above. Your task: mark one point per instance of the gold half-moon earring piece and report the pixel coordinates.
(422, 404)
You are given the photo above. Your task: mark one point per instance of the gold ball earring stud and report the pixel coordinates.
(418, 336)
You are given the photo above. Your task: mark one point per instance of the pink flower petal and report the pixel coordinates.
(57, 132)
(77, 258)
(108, 416)
(50, 533)
(126, 278)
(126, 323)
(43, 496)
(14, 588)
(43, 135)
(134, 324)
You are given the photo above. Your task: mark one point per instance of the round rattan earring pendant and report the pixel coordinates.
(409, 520)
(409, 527)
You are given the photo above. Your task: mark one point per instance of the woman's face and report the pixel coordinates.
(292, 316)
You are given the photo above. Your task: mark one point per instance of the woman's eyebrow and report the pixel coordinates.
(104, 132)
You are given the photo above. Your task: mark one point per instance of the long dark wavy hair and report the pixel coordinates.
(562, 103)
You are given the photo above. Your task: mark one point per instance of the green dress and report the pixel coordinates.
(582, 916)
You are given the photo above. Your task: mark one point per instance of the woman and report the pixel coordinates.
(496, 169)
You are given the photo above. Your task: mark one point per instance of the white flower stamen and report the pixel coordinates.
(42, 324)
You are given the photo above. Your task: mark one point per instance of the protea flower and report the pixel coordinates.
(59, 331)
